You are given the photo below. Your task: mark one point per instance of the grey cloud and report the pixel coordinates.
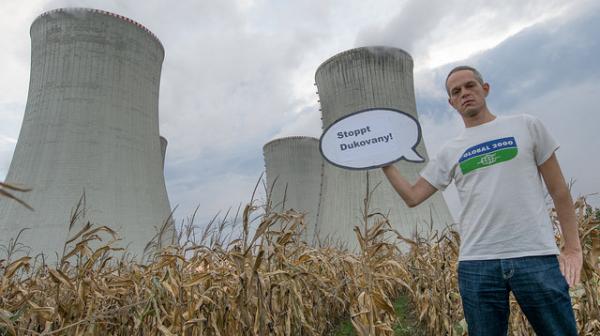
(543, 58)
(420, 25)
(306, 123)
(225, 92)
(415, 21)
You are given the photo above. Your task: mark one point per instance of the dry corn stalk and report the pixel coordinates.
(267, 282)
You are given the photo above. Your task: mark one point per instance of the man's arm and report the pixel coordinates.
(412, 195)
(570, 257)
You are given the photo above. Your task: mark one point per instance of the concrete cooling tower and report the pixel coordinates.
(293, 168)
(90, 126)
(354, 80)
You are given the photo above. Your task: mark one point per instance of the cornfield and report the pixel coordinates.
(266, 282)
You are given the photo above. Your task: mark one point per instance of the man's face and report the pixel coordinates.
(467, 95)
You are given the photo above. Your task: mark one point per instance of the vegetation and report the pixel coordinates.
(406, 323)
(266, 282)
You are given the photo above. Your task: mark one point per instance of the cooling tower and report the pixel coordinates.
(354, 80)
(90, 126)
(293, 168)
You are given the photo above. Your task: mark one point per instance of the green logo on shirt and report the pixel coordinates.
(487, 154)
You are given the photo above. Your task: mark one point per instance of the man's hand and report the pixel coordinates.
(571, 261)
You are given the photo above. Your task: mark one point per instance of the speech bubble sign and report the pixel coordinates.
(371, 138)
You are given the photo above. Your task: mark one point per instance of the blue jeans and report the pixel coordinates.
(537, 284)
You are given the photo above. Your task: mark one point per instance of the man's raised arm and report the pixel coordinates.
(412, 195)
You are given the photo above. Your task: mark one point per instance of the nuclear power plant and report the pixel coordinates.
(90, 131)
(293, 170)
(355, 80)
(359, 79)
(90, 128)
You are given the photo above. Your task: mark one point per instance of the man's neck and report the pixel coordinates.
(480, 118)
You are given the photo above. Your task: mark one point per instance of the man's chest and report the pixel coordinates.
(503, 152)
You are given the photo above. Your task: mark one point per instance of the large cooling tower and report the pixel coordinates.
(354, 80)
(90, 126)
(293, 168)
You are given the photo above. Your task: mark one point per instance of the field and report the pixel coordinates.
(266, 282)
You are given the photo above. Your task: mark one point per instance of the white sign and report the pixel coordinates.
(371, 138)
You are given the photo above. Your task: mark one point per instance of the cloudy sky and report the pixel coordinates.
(240, 73)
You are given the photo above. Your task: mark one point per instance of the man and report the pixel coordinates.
(507, 240)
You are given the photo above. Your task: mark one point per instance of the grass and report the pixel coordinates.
(405, 324)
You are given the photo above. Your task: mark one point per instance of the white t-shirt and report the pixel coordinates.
(494, 167)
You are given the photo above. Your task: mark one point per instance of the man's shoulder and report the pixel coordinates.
(453, 146)
(519, 123)
(519, 118)
(529, 123)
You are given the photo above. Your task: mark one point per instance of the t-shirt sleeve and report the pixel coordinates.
(437, 172)
(544, 144)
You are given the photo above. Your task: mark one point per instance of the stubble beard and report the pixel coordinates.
(471, 112)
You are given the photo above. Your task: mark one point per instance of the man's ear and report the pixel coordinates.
(450, 103)
(486, 88)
